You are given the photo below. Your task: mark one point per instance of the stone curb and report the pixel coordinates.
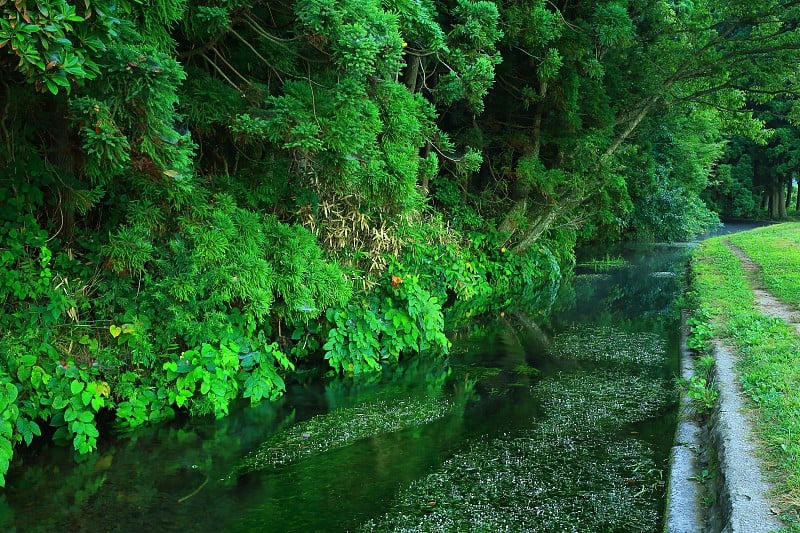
(741, 489)
(685, 513)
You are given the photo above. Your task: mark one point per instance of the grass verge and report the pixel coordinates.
(768, 348)
(777, 250)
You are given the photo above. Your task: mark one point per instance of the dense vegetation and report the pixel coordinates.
(726, 308)
(197, 197)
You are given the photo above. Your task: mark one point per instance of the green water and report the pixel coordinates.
(537, 422)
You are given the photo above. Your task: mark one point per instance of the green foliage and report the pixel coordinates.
(240, 167)
(9, 414)
(701, 392)
(401, 317)
(105, 146)
(363, 39)
(472, 54)
(58, 44)
(701, 332)
(216, 373)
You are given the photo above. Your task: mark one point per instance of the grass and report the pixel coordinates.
(768, 348)
(777, 249)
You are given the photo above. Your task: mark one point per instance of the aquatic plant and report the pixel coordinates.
(602, 264)
(346, 425)
(601, 343)
(582, 403)
(568, 472)
(533, 483)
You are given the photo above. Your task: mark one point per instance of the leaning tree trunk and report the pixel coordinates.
(510, 223)
(539, 226)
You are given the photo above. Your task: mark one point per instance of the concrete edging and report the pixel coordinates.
(685, 513)
(741, 504)
(741, 488)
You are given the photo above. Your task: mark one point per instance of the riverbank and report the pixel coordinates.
(745, 297)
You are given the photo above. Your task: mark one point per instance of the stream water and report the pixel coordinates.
(557, 422)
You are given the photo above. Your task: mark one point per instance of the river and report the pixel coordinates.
(558, 421)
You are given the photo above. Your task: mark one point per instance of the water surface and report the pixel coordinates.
(540, 420)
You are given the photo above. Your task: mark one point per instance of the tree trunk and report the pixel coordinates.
(774, 201)
(537, 121)
(426, 179)
(510, 222)
(63, 146)
(781, 202)
(647, 105)
(541, 225)
(797, 198)
(789, 193)
(412, 72)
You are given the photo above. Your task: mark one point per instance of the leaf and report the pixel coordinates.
(97, 403)
(114, 330)
(11, 392)
(76, 387)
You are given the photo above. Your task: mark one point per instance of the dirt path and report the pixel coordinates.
(768, 304)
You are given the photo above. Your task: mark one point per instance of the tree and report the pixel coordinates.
(599, 70)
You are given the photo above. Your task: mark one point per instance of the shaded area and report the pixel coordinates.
(538, 423)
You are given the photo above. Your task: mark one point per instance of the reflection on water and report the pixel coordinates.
(536, 422)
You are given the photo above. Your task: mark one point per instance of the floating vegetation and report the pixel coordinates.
(581, 403)
(344, 426)
(568, 473)
(662, 274)
(604, 263)
(591, 277)
(593, 343)
(478, 373)
(533, 484)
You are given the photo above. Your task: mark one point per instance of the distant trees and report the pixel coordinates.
(758, 179)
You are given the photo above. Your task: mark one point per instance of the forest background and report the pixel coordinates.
(199, 198)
